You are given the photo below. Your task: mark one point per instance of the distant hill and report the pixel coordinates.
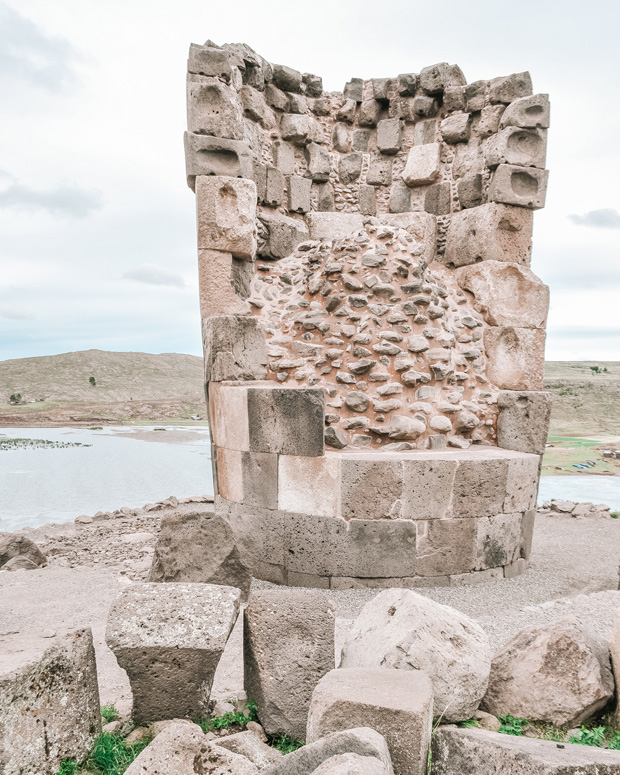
(56, 389)
(586, 397)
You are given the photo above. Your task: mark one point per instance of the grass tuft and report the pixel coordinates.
(285, 743)
(109, 713)
(110, 756)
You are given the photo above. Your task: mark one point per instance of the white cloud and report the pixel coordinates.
(151, 274)
(598, 219)
(16, 313)
(69, 200)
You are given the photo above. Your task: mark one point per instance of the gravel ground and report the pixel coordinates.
(573, 570)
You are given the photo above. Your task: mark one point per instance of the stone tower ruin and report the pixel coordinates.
(373, 333)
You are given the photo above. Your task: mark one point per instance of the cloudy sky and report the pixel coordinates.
(97, 244)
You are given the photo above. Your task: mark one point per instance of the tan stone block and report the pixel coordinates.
(228, 414)
(506, 294)
(213, 108)
(307, 580)
(515, 357)
(427, 488)
(422, 167)
(217, 295)
(234, 348)
(491, 232)
(523, 421)
(334, 225)
(498, 541)
(527, 112)
(515, 569)
(445, 546)
(513, 145)
(479, 486)
(309, 485)
(226, 215)
(522, 483)
(522, 186)
(476, 577)
(230, 474)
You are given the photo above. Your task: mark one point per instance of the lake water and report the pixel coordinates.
(131, 466)
(142, 465)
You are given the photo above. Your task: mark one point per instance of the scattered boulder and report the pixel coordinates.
(362, 741)
(351, 764)
(196, 545)
(556, 672)
(614, 647)
(169, 638)
(217, 760)
(403, 630)
(398, 704)
(19, 563)
(288, 648)
(49, 701)
(251, 746)
(478, 752)
(13, 545)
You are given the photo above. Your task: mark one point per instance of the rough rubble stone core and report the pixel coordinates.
(365, 286)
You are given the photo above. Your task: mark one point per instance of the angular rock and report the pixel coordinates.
(174, 751)
(298, 194)
(287, 421)
(284, 234)
(506, 294)
(422, 166)
(213, 108)
(531, 112)
(405, 428)
(363, 741)
(614, 648)
(523, 421)
(226, 215)
(350, 167)
(469, 190)
(234, 348)
(49, 701)
(169, 638)
(351, 764)
(398, 704)
(456, 128)
(13, 545)
(288, 648)
(319, 166)
(196, 545)
(402, 630)
(254, 107)
(286, 78)
(333, 225)
(209, 60)
(510, 87)
(515, 357)
(556, 672)
(491, 232)
(250, 745)
(215, 286)
(513, 145)
(435, 79)
(206, 155)
(389, 135)
(525, 187)
(466, 751)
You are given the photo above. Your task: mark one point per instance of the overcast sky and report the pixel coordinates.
(97, 238)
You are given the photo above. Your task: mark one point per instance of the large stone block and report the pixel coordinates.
(298, 190)
(213, 108)
(614, 650)
(523, 421)
(228, 416)
(169, 638)
(558, 672)
(508, 88)
(479, 487)
(318, 161)
(13, 545)
(178, 749)
(226, 215)
(427, 488)
(498, 541)
(351, 764)
(399, 629)
(522, 483)
(513, 145)
(287, 421)
(491, 232)
(445, 546)
(456, 128)
(49, 701)
(372, 487)
(389, 133)
(260, 479)
(364, 742)
(309, 485)
(363, 548)
(435, 79)
(209, 60)
(515, 357)
(229, 467)
(299, 129)
(486, 753)
(525, 187)
(333, 226)
(397, 703)
(198, 546)
(531, 112)
(250, 745)
(206, 155)
(234, 348)
(283, 235)
(506, 294)
(422, 167)
(288, 648)
(255, 108)
(215, 289)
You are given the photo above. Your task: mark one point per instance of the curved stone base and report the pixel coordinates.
(410, 519)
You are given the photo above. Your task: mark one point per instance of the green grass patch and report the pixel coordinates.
(6, 443)
(285, 743)
(574, 441)
(110, 755)
(109, 713)
(511, 725)
(230, 719)
(601, 735)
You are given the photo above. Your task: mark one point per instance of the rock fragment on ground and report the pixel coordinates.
(14, 545)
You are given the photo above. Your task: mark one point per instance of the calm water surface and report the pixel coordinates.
(131, 466)
(38, 486)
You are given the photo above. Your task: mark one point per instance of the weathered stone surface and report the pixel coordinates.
(427, 487)
(531, 112)
(288, 648)
(318, 162)
(333, 225)
(213, 108)
(228, 416)
(478, 752)
(614, 648)
(422, 166)
(398, 704)
(456, 128)
(206, 155)
(297, 129)
(196, 545)
(234, 348)
(350, 167)
(470, 190)
(286, 78)
(525, 187)
(284, 234)
(229, 468)
(169, 638)
(510, 87)
(513, 145)
(400, 197)
(260, 479)
(556, 672)
(13, 545)
(215, 288)
(49, 701)
(371, 488)
(273, 194)
(226, 215)
(491, 232)
(523, 421)
(250, 745)
(362, 741)
(298, 194)
(255, 108)
(389, 135)
(209, 60)
(309, 485)
(438, 199)
(437, 78)
(351, 764)
(287, 421)
(498, 541)
(479, 487)
(367, 200)
(506, 294)
(402, 630)
(174, 751)
(516, 357)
